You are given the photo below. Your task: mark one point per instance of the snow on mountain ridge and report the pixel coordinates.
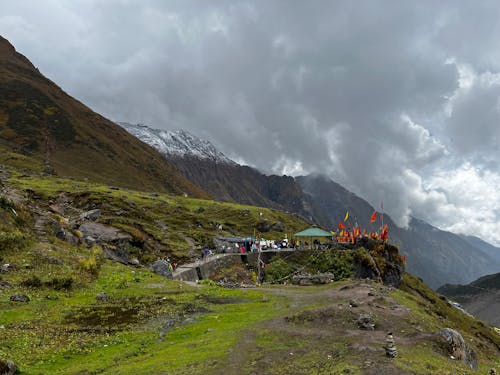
(176, 143)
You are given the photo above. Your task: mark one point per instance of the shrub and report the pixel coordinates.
(340, 263)
(11, 240)
(63, 283)
(277, 270)
(32, 282)
(93, 263)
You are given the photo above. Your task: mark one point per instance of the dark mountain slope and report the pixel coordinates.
(39, 119)
(433, 254)
(481, 297)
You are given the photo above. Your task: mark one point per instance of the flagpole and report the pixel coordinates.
(382, 207)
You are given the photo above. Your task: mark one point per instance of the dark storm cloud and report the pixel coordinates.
(392, 99)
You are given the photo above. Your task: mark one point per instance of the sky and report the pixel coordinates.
(398, 101)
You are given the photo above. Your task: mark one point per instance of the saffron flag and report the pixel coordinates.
(373, 218)
(341, 226)
(346, 216)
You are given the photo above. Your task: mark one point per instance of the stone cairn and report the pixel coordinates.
(390, 348)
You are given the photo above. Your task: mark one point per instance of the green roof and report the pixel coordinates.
(313, 232)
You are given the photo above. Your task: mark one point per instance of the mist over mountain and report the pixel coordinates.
(39, 119)
(437, 256)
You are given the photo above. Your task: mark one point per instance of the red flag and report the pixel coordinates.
(341, 226)
(373, 218)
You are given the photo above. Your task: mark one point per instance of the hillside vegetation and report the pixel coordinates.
(87, 314)
(40, 120)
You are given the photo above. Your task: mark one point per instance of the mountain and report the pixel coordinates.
(486, 247)
(201, 163)
(40, 120)
(481, 297)
(177, 143)
(437, 256)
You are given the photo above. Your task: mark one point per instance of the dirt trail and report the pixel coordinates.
(320, 319)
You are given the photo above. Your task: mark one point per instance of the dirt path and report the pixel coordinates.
(322, 320)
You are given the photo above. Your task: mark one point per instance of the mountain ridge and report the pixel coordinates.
(437, 256)
(38, 119)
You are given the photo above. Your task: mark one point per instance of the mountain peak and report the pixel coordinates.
(8, 53)
(177, 143)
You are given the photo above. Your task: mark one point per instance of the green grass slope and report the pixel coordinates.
(39, 119)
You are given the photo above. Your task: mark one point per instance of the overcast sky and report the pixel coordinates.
(397, 100)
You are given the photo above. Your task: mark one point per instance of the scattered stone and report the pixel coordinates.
(19, 298)
(119, 212)
(92, 215)
(56, 209)
(353, 303)
(371, 294)
(113, 187)
(7, 367)
(5, 267)
(102, 296)
(155, 195)
(54, 260)
(493, 371)
(134, 262)
(366, 322)
(161, 267)
(265, 299)
(200, 210)
(5, 284)
(454, 345)
(307, 279)
(390, 348)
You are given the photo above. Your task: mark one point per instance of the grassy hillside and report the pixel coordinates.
(39, 119)
(145, 324)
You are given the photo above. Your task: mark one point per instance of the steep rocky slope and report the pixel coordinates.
(39, 119)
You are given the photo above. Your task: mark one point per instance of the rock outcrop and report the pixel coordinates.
(455, 347)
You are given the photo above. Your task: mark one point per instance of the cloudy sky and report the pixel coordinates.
(398, 101)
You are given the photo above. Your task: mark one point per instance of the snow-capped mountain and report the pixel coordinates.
(178, 143)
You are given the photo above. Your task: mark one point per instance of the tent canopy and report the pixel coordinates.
(313, 232)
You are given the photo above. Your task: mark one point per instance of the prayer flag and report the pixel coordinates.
(346, 216)
(341, 226)
(373, 218)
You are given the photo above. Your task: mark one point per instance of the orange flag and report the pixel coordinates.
(373, 218)
(341, 226)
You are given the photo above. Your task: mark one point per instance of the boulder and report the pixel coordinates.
(96, 233)
(161, 267)
(19, 298)
(64, 234)
(7, 367)
(278, 227)
(366, 322)
(263, 226)
(6, 268)
(5, 284)
(134, 262)
(101, 296)
(455, 347)
(92, 215)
